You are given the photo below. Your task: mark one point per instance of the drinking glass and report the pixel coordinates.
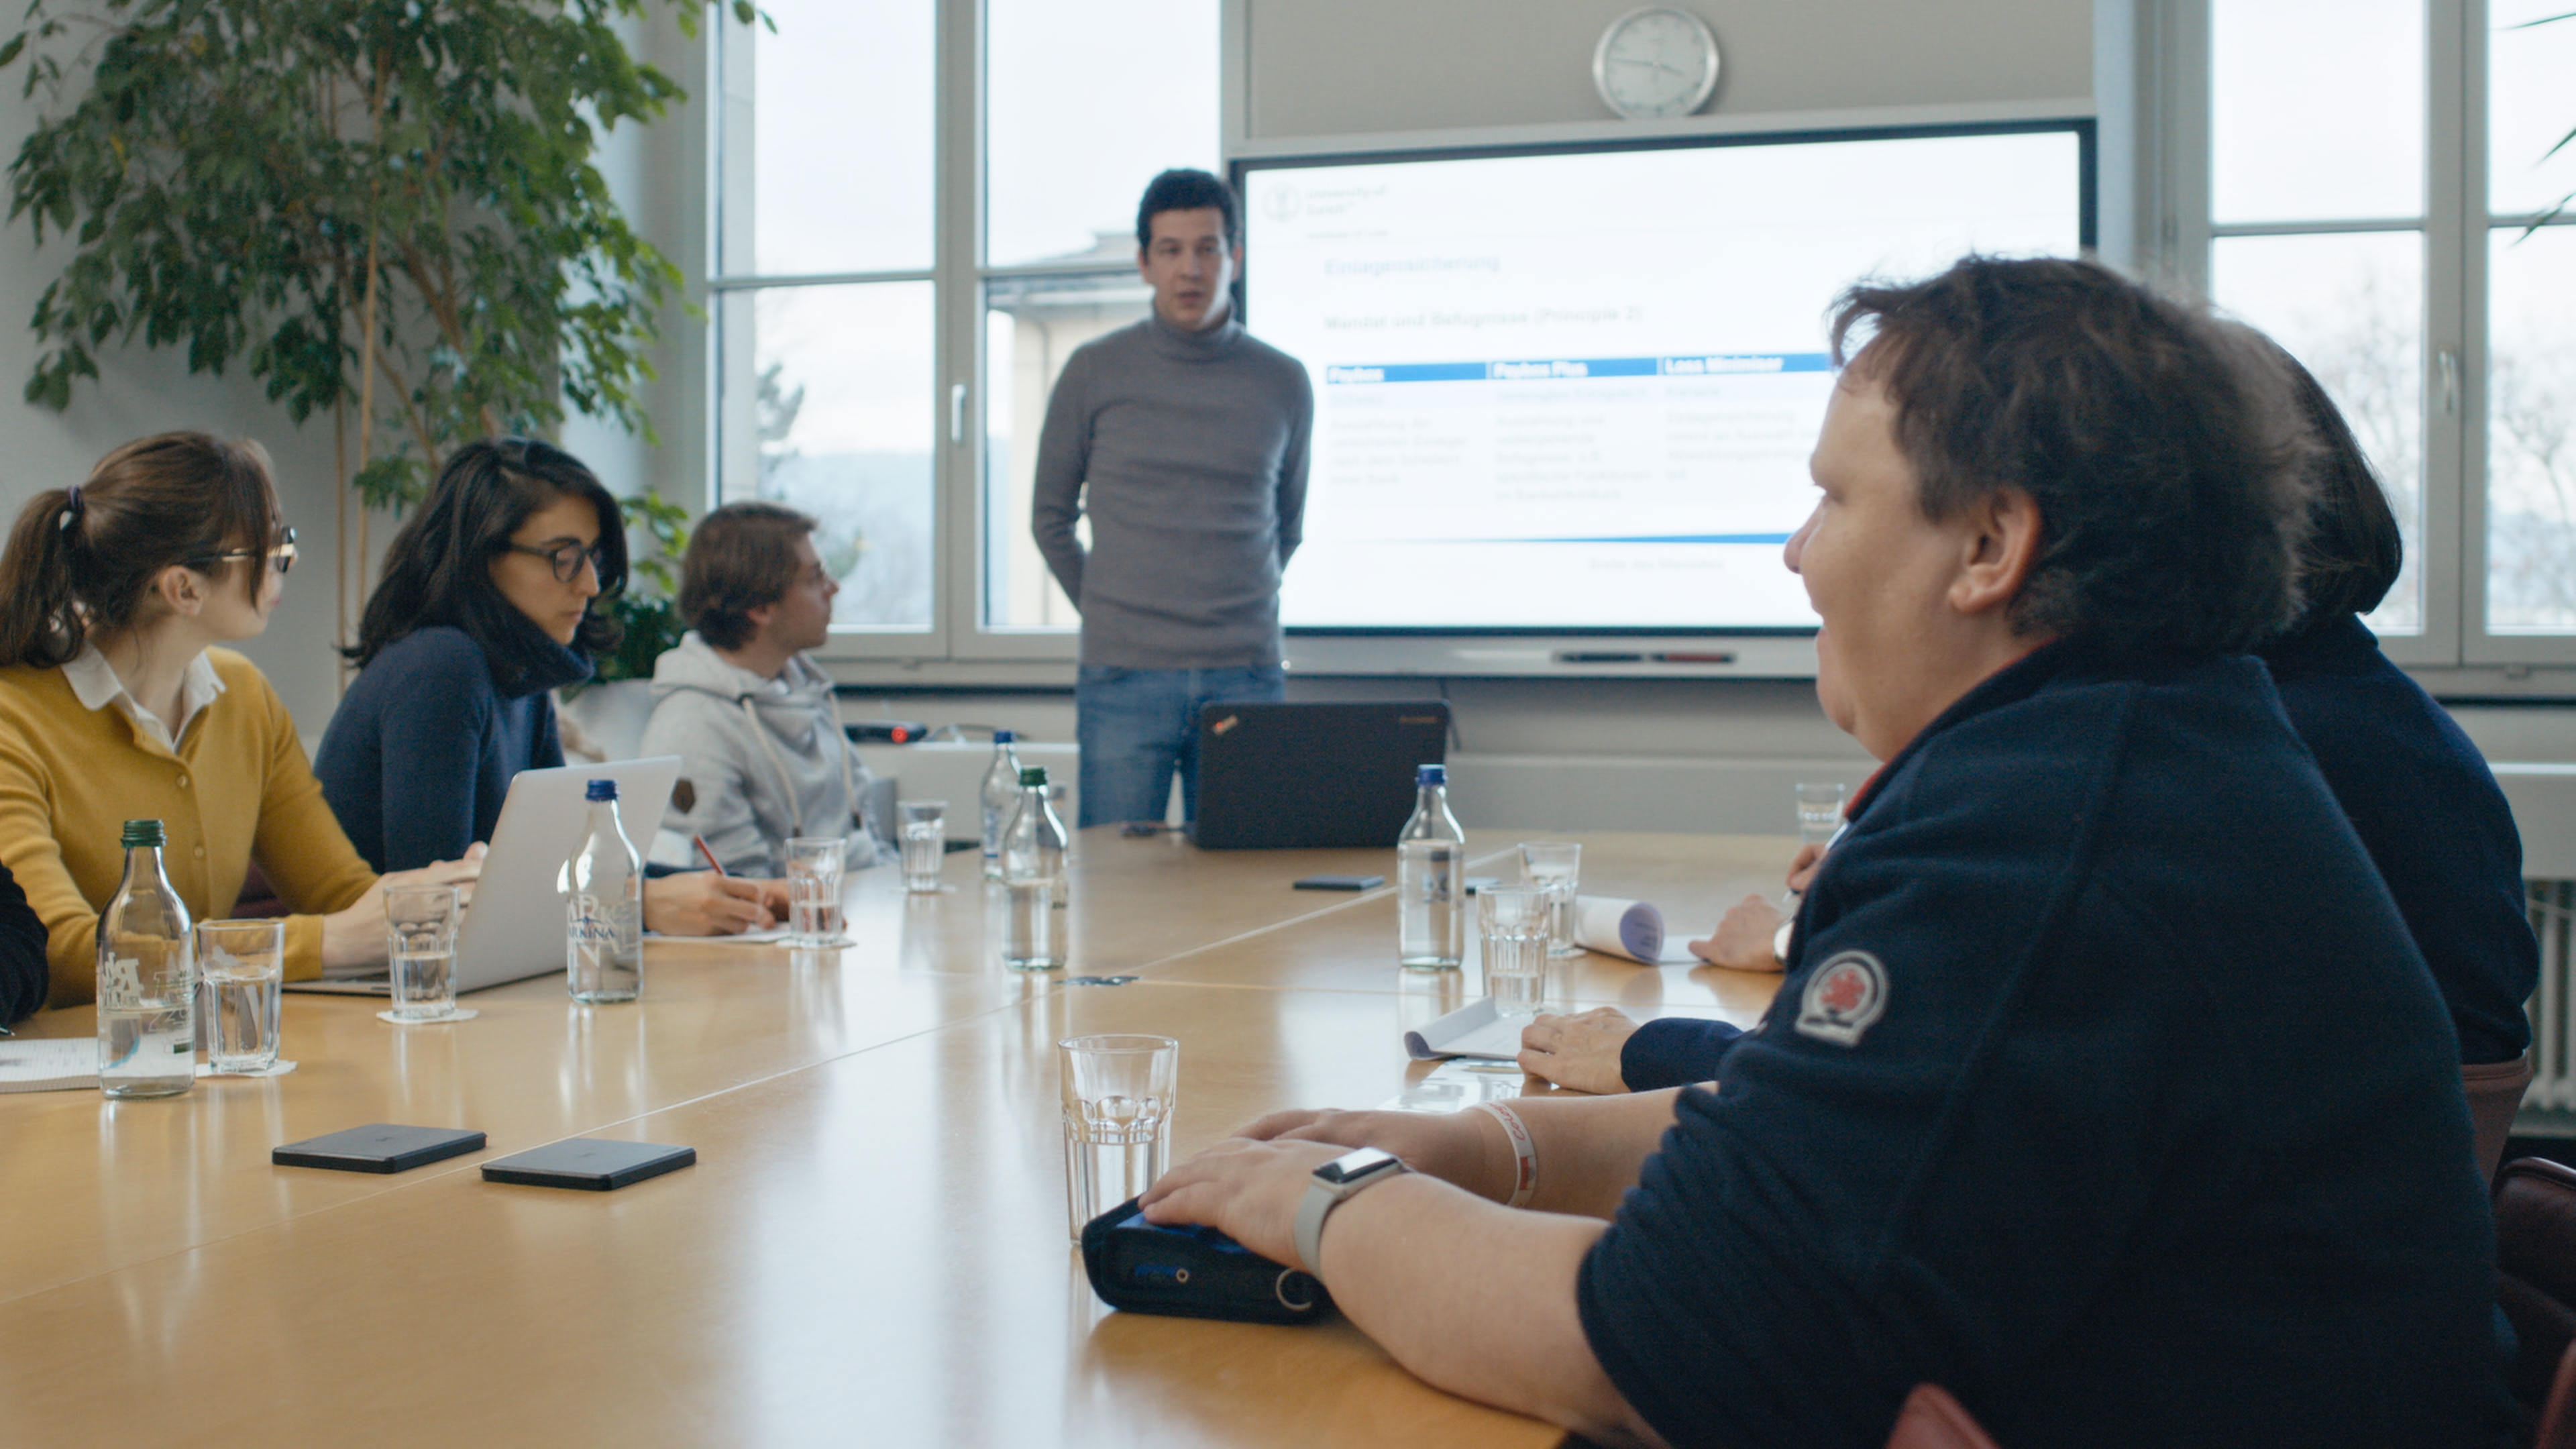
(1119, 1092)
(925, 843)
(1514, 921)
(1820, 812)
(242, 964)
(420, 946)
(1553, 866)
(814, 892)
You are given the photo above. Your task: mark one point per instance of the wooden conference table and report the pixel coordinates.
(872, 1246)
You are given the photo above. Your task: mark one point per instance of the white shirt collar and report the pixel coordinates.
(95, 685)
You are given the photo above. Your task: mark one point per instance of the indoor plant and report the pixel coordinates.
(386, 209)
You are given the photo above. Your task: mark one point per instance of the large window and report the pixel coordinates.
(2379, 195)
(923, 207)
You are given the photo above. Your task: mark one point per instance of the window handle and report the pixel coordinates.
(957, 411)
(2450, 363)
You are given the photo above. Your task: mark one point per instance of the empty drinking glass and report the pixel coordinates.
(1119, 1092)
(814, 892)
(1513, 921)
(420, 946)
(242, 964)
(1820, 812)
(925, 843)
(1553, 865)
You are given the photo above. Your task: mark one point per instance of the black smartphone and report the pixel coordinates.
(1341, 883)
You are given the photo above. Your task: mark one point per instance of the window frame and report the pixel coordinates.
(959, 635)
(2172, 67)
(2455, 227)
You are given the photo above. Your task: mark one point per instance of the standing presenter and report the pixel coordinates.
(1184, 439)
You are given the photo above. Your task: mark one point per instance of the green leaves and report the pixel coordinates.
(240, 178)
(651, 621)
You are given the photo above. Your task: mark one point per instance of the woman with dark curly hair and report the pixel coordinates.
(485, 606)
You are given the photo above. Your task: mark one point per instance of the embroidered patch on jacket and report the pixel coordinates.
(1843, 998)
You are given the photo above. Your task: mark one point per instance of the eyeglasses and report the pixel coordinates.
(567, 558)
(281, 556)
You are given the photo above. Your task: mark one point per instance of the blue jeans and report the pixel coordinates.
(1136, 726)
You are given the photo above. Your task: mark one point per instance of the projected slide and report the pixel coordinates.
(1578, 391)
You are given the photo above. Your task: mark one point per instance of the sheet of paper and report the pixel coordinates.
(60, 1064)
(1473, 1030)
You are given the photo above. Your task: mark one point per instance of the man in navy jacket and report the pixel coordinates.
(2105, 1087)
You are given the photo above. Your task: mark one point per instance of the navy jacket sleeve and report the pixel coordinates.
(2104, 1091)
(1674, 1051)
(22, 952)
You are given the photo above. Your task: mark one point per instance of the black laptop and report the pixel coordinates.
(1313, 776)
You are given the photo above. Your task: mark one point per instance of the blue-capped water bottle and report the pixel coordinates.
(603, 889)
(1431, 880)
(1001, 797)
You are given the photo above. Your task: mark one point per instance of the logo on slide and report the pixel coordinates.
(1283, 202)
(1843, 999)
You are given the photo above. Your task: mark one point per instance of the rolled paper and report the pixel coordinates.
(1634, 929)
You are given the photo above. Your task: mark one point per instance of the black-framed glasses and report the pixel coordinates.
(566, 557)
(280, 555)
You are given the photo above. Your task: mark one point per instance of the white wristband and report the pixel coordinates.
(1524, 1154)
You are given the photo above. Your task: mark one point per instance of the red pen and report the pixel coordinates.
(708, 852)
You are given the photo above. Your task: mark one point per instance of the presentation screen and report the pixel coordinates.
(1576, 390)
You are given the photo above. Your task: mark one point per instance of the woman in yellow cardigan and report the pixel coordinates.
(115, 704)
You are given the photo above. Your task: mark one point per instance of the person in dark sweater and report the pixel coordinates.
(2104, 1089)
(1183, 438)
(2412, 785)
(23, 974)
(484, 607)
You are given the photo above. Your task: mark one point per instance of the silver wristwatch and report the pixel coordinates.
(1330, 1187)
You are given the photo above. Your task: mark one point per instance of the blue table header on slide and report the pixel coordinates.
(1558, 368)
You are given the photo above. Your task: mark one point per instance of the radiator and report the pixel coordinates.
(2553, 1045)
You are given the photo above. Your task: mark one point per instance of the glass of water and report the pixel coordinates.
(925, 843)
(1119, 1092)
(242, 964)
(1820, 812)
(1514, 922)
(1552, 866)
(420, 946)
(814, 892)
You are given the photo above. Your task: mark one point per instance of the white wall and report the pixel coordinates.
(1340, 67)
(144, 391)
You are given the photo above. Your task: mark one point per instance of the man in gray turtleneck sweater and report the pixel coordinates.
(1185, 439)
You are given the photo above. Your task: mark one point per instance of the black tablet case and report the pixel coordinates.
(589, 1164)
(377, 1147)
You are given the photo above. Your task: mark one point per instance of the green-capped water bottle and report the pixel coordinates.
(1033, 869)
(147, 978)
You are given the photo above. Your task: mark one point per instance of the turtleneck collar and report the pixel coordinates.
(1200, 346)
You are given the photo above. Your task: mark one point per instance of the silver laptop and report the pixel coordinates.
(515, 927)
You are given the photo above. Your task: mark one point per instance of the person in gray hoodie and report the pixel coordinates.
(762, 755)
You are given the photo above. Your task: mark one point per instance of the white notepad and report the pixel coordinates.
(1473, 1030)
(55, 1064)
